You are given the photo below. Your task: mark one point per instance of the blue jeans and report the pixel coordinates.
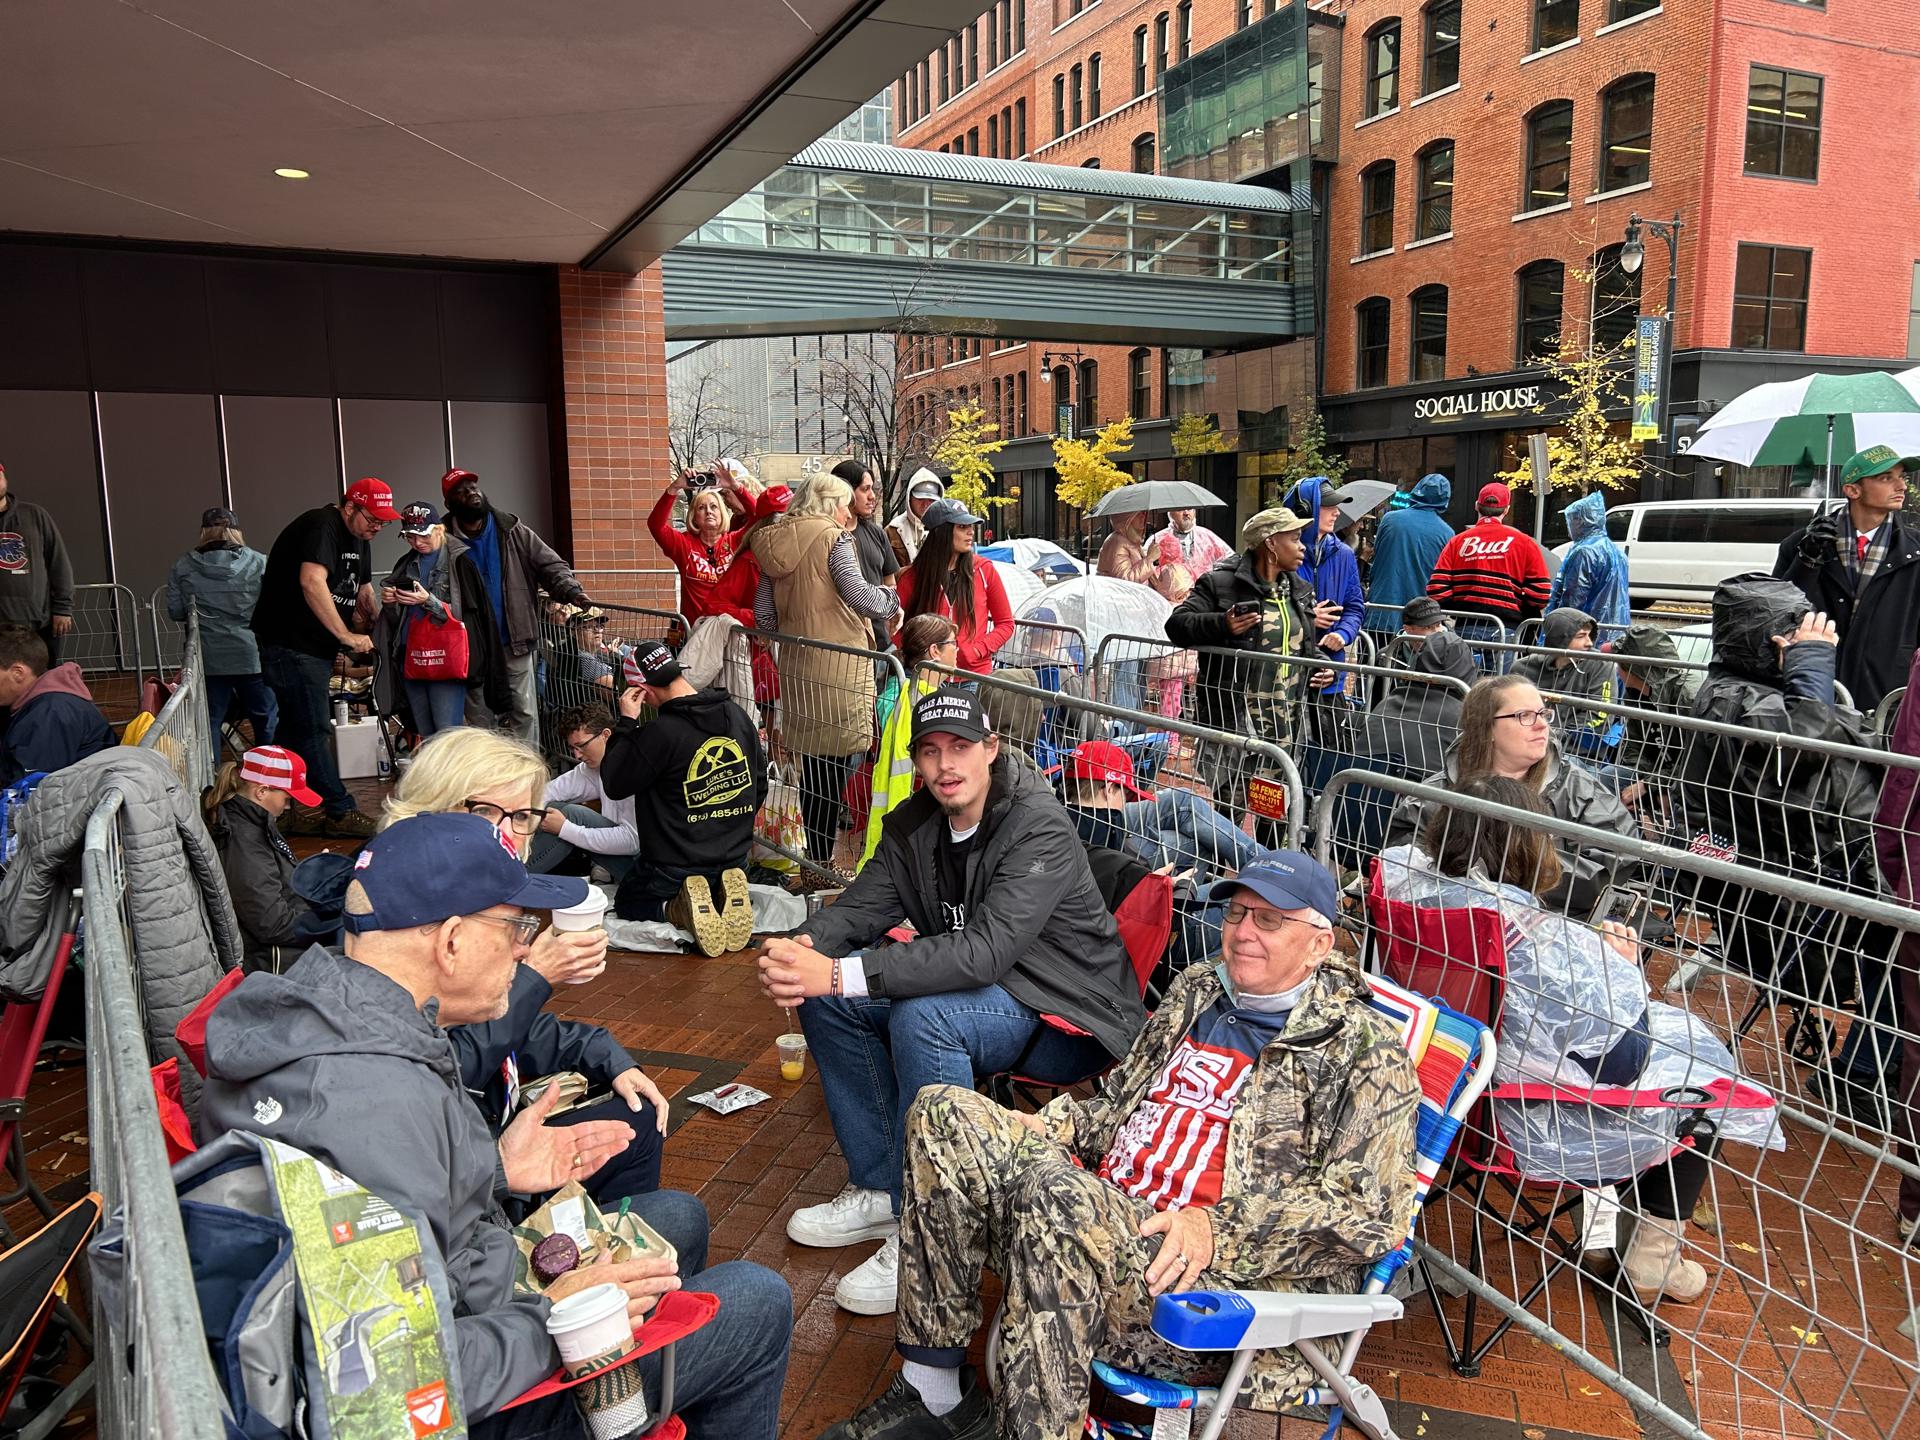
(300, 683)
(255, 698)
(437, 705)
(1179, 828)
(727, 1375)
(550, 851)
(875, 1056)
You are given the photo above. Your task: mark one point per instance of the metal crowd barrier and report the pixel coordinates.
(579, 658)
(1049, 650)
(106, 643)
(182, 730)
(1807, 1323)
(1456, 616)
(152, 1373)
(1886, 714)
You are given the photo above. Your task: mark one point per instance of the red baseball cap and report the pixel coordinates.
(278, 769)
(453, 478)
(1495, 494)
(373, 496)
(1104, 761)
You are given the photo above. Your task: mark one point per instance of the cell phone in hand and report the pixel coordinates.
(1618, 903)
(1244, 609)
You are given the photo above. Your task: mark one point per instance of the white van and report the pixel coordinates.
(1682, 549)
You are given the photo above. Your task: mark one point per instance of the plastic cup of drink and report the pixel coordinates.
(591, 1330)
(589, 914)
(793, 1055)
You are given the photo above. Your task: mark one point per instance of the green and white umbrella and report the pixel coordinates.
(1817, 420)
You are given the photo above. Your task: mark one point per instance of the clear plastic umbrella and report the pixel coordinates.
(1020, 584)
(1097, 606)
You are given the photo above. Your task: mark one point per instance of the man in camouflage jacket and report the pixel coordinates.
(1259, 1135)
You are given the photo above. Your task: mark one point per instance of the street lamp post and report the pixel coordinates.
(1633, 255)
(1070, 362)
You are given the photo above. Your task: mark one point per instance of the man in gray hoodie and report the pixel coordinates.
(345, 1057)
(36, 578)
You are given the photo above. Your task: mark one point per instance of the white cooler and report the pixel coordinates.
(357, 749)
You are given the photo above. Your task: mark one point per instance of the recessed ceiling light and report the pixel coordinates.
(287, 172)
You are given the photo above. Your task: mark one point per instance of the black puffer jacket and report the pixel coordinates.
(1416, 723)
(1782, 809)
(1036, 923)
(1200, 621)
(259, 870)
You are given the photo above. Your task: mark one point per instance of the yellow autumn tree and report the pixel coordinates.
(1086, 468)
(1196, 434)
(966, 453)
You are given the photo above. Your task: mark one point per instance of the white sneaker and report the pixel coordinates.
(873, 1287)
(850, 1217)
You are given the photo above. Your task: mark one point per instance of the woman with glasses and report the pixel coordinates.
(1575, 1010)
(504, 781)
(1506, 730)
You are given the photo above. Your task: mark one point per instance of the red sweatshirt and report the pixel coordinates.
(1492, 569)
(991, 625)
(716, 581)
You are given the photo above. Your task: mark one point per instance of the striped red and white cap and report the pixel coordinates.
(279, 769)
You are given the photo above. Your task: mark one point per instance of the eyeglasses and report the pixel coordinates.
(1268, 921)
(526, 928)
(579, 748)
(1529, 719)
(524, 822)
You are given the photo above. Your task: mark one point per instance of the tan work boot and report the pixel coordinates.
(693, 910)
(1654, 1265)
(736, 910)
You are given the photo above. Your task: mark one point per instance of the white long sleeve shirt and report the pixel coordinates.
(582, 784)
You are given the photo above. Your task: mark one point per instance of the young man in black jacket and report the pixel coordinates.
(1009, 926)
(697, 777)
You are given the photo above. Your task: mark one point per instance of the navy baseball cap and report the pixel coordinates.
(426, 868)
(1285, 878)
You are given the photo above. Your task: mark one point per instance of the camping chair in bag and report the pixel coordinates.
(32, 1276)
(1454, 1056)
(1458, 954)
(23, 1029)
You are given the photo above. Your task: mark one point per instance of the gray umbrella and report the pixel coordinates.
(1156, 495)
(1359, 497)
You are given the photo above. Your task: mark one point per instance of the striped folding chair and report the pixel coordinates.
(1454, 1056)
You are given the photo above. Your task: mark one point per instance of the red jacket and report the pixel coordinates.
(991, 625)
(717, 581)
(1492, 569)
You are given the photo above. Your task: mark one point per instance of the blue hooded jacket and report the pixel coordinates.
(1593, 576)
(1405, 548)
(1330, 566)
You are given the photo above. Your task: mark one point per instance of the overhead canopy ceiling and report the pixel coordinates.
(596, 131)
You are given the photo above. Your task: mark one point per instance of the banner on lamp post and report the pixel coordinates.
(1649, 346)
(1063, 419)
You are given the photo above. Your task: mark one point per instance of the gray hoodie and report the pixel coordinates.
(36, 578)
(333, 1057)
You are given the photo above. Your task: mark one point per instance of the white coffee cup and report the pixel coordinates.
(589, 914)
(590, 1327)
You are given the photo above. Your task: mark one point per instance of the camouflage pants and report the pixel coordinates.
(984, 1190)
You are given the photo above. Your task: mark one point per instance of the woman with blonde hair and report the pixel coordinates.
(246, 798)
(221, 578)
(812, 588)
(717, 575)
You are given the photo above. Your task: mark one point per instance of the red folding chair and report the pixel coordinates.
(23, 1029)
(31, 1277)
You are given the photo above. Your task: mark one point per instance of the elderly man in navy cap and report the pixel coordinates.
(345, 1057)
(1259, 1135)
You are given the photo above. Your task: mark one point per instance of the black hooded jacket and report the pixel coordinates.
(1783, 809)
(697, 776)
(1879, 621)
(1416, 723)
(1200, 622)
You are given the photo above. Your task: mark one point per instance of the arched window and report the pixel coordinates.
(1542, 287)
(1383, 68)
(1433, 200)
(1143, 156)
(1059, 106)
(1093, 164)
(1186, 28)
(1440, 57)
(1616, 298)
(1376, 208)
(1020, 426)
(1372, 318)
(1093, 86)
(1089, 395)
(1626, 133)
(1139, 61)
(1140, 383)
(1549, 155)
(1076, 81)
(1428, 331)
(1159, 46)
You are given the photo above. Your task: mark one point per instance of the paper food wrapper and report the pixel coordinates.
(574, 1087)
(598, 1234)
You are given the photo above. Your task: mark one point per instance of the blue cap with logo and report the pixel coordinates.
(424, 869)
(1287, 879)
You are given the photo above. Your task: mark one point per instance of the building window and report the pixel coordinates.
(1075, 103)
(1089, 395)
(1186, 28)
(1314, 91)
(973, 139)
(1020, 404)
(1019, 27)
(973, 54)
(1626, 133)
(1371, 320)
(1783, 123)
(1059, 106)
(1549, 155)
(1376, 208)
(960, 144)
(926, 90)
(1542, 287)
(1093, 164)
(1242, 14)
(993, 38)
(1159, 46)
(1139, 62)
(1429, 333)
(1618, 10)
(1140, 383)
(1555, 22)
(1020, 126)
(1383, 68)
(1770, 298)
(1093, 86)
(1440, 60)
(993, 135)
(1616, 299)
(1433, 211)
(1143, 162)
(946, 76)
(1913, 315)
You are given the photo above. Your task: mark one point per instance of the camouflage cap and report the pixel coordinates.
(1875, 460)
(1277, 521)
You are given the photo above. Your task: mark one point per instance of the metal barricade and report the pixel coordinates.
(580, 657)
(1458, 617)
(1057, 653)
(107, 645)
(182, 730)
(167, 633)
(1806, 1324)
(1509, 652)
(152, 1373)
(1886, 714)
